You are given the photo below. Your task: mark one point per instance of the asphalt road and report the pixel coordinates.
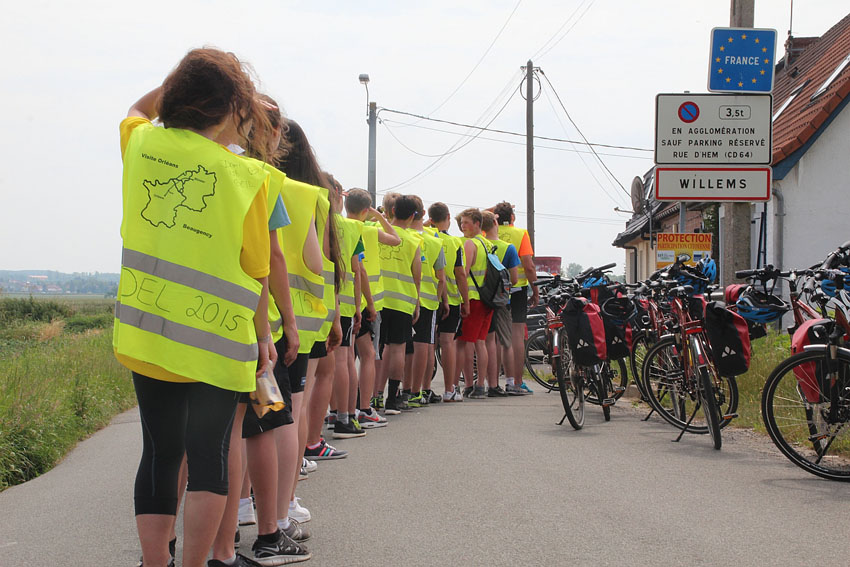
(485, 482)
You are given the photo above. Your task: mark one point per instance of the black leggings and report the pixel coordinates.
(192, 418)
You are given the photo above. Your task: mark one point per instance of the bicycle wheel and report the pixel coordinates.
(618, 377)
(538, 360)
(572, 398)
(708, 402)
(668, 392)
(637, 354)
(814, 435)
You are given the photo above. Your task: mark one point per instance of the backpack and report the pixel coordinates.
(585, 331)
(809, 376)
(495, 290)
(728, 338)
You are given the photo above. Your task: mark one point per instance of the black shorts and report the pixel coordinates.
(319, 350)
(346, 323)
(298, 373)
(396, 327)
(451, 323)
(253, 425)
(408, 347)
(424, 328)
(365, 326)
(519, 305)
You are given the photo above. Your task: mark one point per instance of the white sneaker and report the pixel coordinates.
(309, 465)
(246, 512)
(449, 396)
(298, 512)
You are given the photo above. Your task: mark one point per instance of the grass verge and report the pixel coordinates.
(56, 388)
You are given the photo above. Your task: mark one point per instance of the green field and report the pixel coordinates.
(59, 381)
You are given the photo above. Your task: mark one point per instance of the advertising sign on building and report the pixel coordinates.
(672, 244)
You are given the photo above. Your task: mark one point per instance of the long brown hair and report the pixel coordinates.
(255, 143)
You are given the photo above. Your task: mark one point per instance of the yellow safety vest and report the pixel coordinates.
(479, 268)
(396, 274)
(184, 303)
(372, 264)
(306, 288)
(501, 248)
(349, 235)
(429, 284)
(451, 244)
(329, 297)
(513, 235)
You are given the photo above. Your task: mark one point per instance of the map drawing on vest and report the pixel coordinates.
(188, 190)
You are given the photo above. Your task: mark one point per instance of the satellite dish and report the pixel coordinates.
(637, 194)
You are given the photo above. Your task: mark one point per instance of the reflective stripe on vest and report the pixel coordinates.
(479, 269)
(329, 296)
(184, 302)
(372, 266)
(305, 288)
(396, 273)
(451, 245)
(350, 231)
(184, 334)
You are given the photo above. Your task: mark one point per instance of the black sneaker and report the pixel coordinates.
(434, 397)
(241, 561)
(347, 430)
(281, 552)
(392, 406)
(467, 391)
(296, 532)
(496, 392)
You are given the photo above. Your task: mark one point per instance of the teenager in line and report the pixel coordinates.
(187, 388)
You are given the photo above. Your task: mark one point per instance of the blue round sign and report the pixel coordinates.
(688, 112)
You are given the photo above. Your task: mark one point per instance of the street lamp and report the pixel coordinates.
(372, 112)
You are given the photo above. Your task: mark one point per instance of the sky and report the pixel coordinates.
(73, 70)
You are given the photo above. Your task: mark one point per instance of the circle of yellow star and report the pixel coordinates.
(728, 79)
(720, 71)
(730, 40)
(754, 80)
(766, 61)
(764, 50)
(743, 36)
(740, 84)
(762, 71)
(717, 59)
(757, 40)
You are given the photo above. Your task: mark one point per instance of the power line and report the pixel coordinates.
(581, 134)
(611, 197)
(456, 146)
(386, 121)
(541, 55)
(567, 21)
(489, 47)
(583, 143)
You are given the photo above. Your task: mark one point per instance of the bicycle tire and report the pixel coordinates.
(537, 360)
(620, 374)
(801, 429)
(708, 401)
(571, 399)
(637, 354)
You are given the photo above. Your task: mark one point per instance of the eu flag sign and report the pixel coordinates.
(742, 60)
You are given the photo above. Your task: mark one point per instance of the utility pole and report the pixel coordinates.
(735, 228)
(529, 150)
(373, 132)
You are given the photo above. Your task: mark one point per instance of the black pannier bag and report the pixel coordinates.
(728, 338)
(615, 340)
(585, 331)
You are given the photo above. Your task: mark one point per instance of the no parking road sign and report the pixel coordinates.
(720, 129)
(742, 60)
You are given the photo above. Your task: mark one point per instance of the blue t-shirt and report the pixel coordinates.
(511, 259)
(279, 217)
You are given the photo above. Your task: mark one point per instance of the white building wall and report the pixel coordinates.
(817, 200)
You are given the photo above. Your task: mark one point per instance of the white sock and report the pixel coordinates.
(243, 501)
(293, 504)
(231, 561)
(283, 524)
(509, 381)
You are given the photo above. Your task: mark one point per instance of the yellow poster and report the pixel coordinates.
(670, 244)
